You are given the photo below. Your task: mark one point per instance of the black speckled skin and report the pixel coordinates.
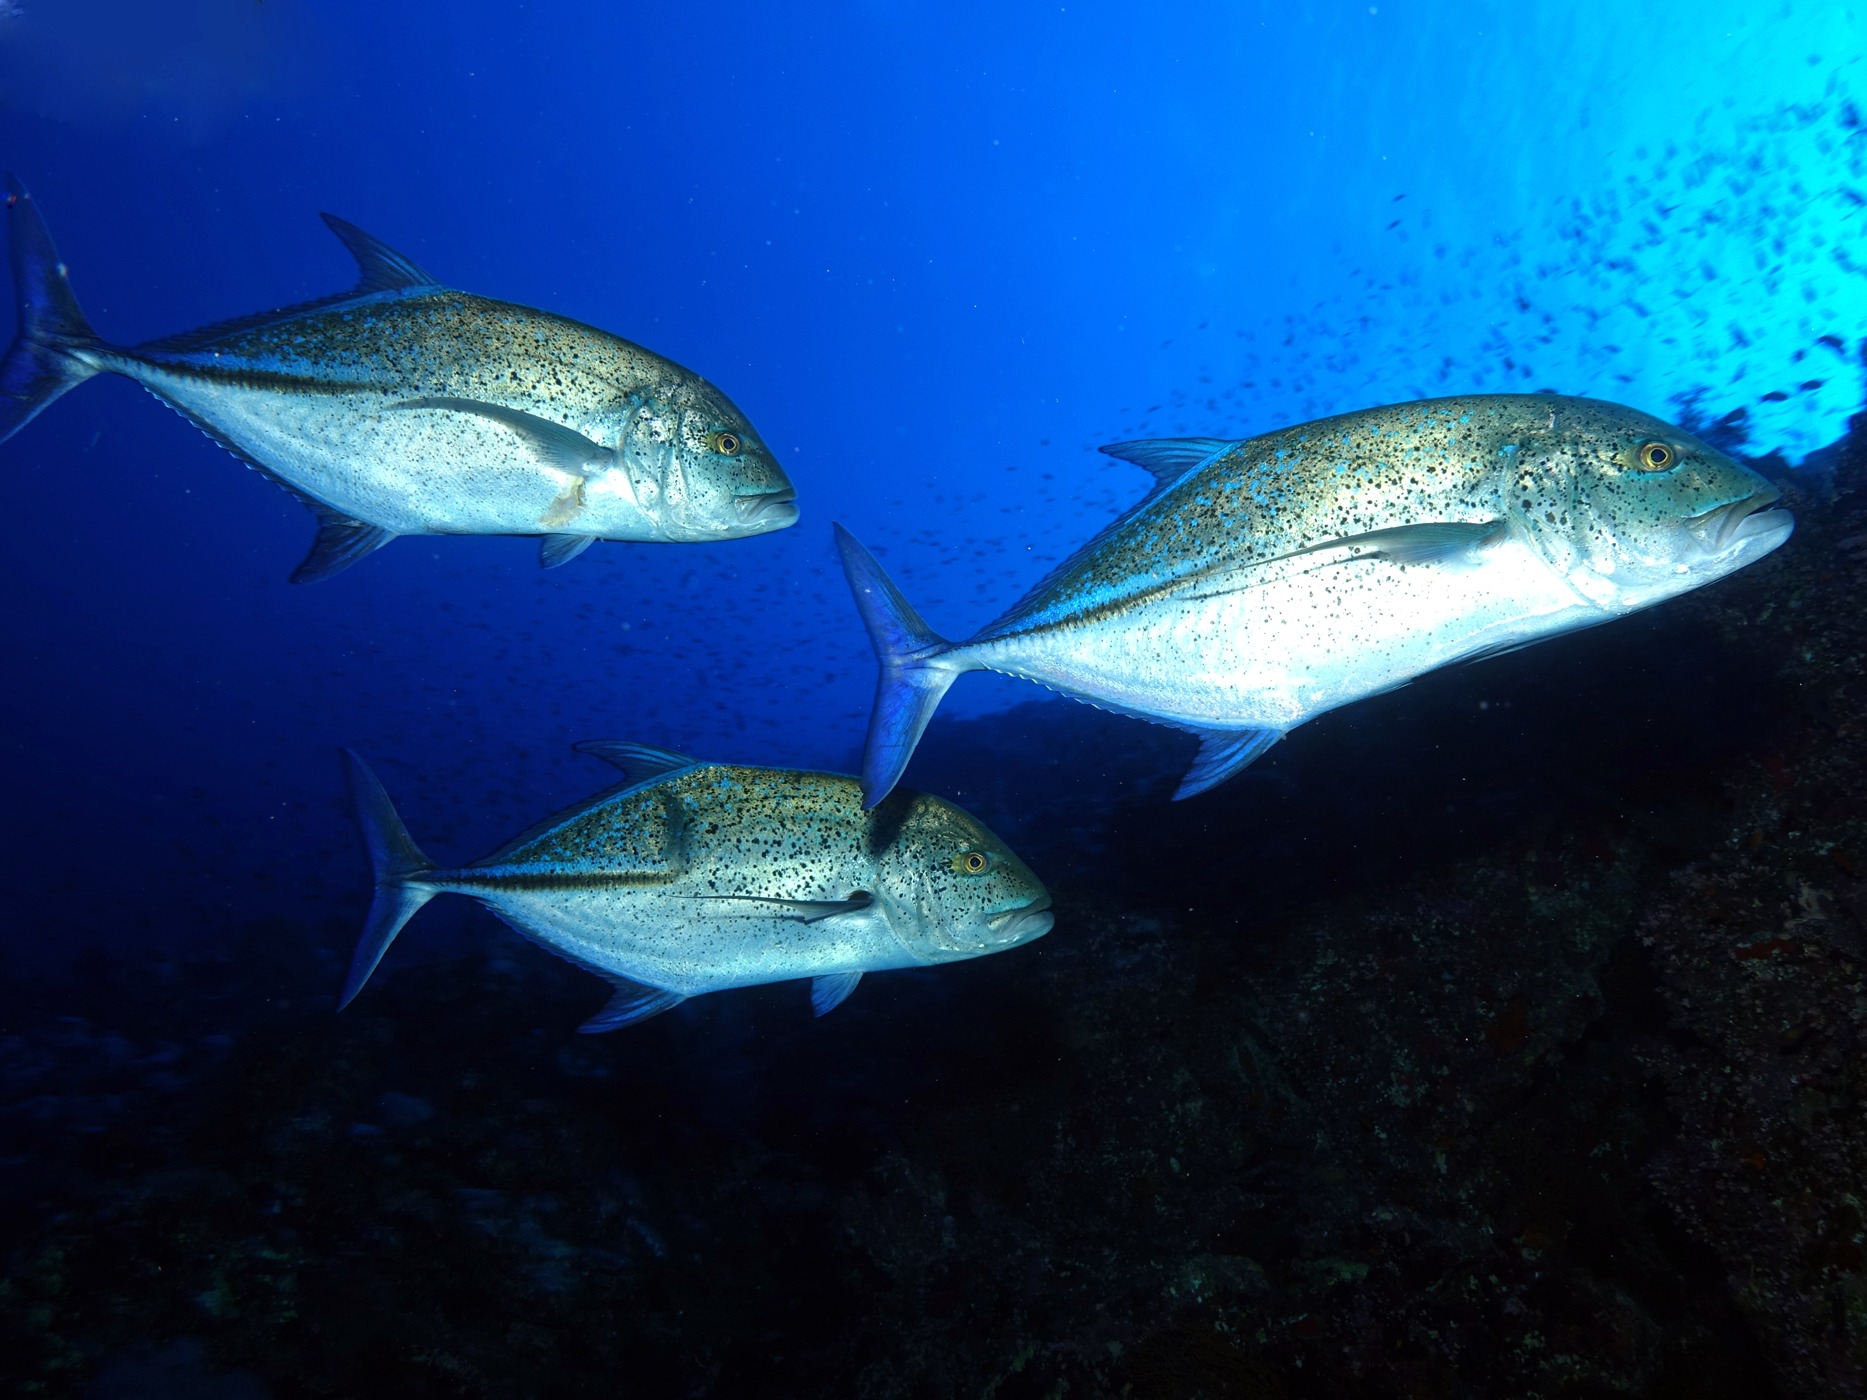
(319, 398)
(1248, 594)
(684, 882)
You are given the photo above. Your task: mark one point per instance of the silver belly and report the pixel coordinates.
(417, 471)
(685, 945)
(1305, 636)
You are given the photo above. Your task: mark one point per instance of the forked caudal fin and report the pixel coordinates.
(38, 366)
(917, 666)
(398, 865)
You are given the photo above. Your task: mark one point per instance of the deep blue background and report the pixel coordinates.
(936, 252)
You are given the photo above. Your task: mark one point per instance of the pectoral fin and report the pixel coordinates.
(552, 443)
(1223, 752)
(1433, 542)
(341, 541)
(831, 991)
(805, 911)
(1452, 543)
(632, 1002)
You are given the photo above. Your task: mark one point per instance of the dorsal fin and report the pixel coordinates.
(384, 269)
(201, 337)
(1168, 458)
(639, 761)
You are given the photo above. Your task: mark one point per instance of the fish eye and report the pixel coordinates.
(726, 444)
(972, 862)
(1656, 457)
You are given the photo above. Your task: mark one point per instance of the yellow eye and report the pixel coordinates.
(972, 863)
(726, 444)
(1657, 457)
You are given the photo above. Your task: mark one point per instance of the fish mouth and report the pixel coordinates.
(1740, 522)
(1027, 921)
(772, 510)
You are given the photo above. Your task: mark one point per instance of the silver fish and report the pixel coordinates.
(699, 877)
(1264, 582)
(401, 407)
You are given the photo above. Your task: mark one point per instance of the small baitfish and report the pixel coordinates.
(402, 407)
(697, 877)
(1264, 582)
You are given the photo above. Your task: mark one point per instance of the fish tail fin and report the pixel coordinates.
(39, 365)
(917, 666)
(399, 866)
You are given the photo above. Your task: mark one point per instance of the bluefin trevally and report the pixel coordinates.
(402, 407)
(697, 877)
(1264, 582)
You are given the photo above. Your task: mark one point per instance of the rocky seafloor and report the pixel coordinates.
(1502, 1036)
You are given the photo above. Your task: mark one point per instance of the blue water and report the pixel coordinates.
(936, 256)
(936, 253)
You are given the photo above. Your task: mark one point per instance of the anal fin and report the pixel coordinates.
(831, 991)
(1223, 752)
(341, 541)
(632, 1002)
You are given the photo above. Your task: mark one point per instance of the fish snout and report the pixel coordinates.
(769, 510)
(1725, 527)
(1023, 923)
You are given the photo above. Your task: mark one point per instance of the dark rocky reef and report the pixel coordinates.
(1500, 1036)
